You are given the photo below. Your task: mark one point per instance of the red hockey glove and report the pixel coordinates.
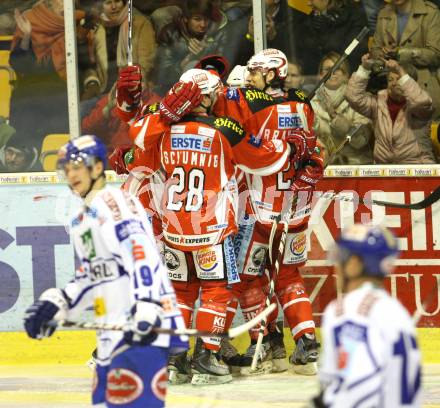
(302, 143)
(306, 180)
(129, 88)
(180, 100)
(117, 159)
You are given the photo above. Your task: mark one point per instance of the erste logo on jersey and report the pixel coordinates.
(196, 143)
(123, 386)
(288, 119)
(207, 259)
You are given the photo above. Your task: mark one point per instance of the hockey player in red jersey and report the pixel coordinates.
(199, 156)
(147, 182)
(270, 114)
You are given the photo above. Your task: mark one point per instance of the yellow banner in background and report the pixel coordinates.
(301, 5)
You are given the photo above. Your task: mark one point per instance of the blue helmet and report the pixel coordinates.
(375, 245)
(83, 149)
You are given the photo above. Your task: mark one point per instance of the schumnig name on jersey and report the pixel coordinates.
(176, 158)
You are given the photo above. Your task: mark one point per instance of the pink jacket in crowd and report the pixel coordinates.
(407, 140)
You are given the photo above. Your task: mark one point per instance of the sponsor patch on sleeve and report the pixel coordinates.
(127, 228)
(255, 140)
(232, 94)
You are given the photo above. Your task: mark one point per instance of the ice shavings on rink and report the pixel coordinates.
(69, 387)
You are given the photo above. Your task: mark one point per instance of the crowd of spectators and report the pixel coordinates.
(387, 92)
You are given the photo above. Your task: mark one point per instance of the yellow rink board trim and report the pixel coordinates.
(45, 397)
(75, 347)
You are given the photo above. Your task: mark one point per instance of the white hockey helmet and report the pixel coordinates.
(268, 59)
(207, 81)
(237, 77)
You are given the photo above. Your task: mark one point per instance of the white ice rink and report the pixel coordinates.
(69, 387)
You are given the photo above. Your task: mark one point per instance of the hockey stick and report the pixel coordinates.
(130, 34)
(425, 203)
(324, 79)
(346, 141)
(338, 63)
(230, 334)
(292, 206)
(269, 296)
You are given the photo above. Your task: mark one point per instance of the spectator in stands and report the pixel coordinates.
(163, 16)
(39, 97)
(14, 155)
(103, 121)
(334, 118)
(294, 78)
(149, 6)
(111, 41)
(409, 31)
(197, 33)
(279, 34)
(401, 114)
(372, 8)
(331, 26)
(237, 13)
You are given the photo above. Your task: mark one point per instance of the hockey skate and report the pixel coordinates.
(230, 356)
(207, 367)
(264, 362)
(305, 356)
(179, 369)
(279, 355)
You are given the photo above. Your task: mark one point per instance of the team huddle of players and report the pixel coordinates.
(215, 166)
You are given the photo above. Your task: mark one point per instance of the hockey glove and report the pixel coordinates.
(117, 159)
(51, 305)
(302, 143)
(129, 88)
(145, 316)
(182, 98)
(305, 181)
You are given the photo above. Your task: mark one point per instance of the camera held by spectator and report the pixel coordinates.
(401, 114)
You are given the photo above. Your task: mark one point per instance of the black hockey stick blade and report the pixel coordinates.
(425, 203)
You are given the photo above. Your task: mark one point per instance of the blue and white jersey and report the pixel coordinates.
(370, 356)
(120, 264)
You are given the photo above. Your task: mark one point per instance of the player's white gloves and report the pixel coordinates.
(145, 316)
(52, 304)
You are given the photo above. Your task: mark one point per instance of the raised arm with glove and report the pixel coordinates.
(179, 101)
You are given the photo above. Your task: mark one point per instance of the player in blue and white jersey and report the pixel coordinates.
(371, 357)
(121, 278)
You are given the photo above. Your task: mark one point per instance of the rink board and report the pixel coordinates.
(36, 251)
(75, 347)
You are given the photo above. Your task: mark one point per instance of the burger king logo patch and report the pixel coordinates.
(297, 248)
(298, 245)
(207, 259)
(123, 386)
